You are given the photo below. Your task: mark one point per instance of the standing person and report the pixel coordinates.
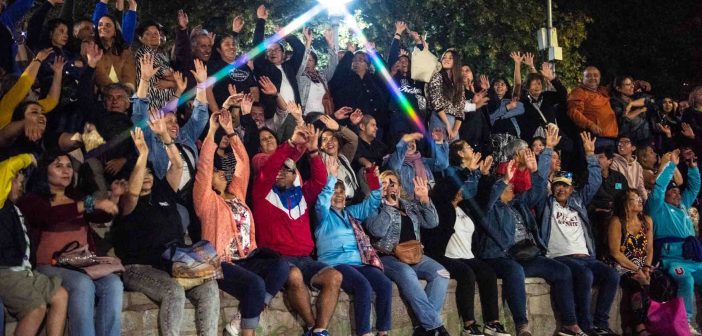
(252, 275)
(590, 110)
(313, 83)
(505, 109)
(446, 97)
(399, 221)
(282, 202)
(29, 295)
(566, 231)
(541, 107)
(162, 85)
(342, 243)
(117, 64)
(668, 207)
(370, 151)
(57, 216)
(632, 114)
(148, 223)
(476, 126)
(451, 244)
(631, 250)
(692, 122)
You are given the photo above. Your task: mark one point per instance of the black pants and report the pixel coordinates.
(467, 272)
(635, 301)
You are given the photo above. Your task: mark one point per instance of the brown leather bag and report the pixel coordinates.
(409, 252)
(327, 101)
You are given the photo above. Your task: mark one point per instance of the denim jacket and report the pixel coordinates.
(578, 201)
(437, 163)
(187, 135)
(385, 226)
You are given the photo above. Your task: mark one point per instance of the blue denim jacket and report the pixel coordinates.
(385, 226)
(334, 236)
(437, 163)
(187, 135)
(578, 201)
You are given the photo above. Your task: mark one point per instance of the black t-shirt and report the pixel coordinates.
(406, 229)
(142, 236)
(241, 77)
(373, 152)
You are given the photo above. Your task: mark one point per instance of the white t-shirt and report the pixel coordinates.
(286, 90)
(314, 98)
(459, 245)
(567, 235)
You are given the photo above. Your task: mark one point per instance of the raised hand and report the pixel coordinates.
(246, 104)
(687, 131)
(475, 161)
(132, 5)
(118, 188)
(43, 54)
(480, 99)
(182, 20)
(214, 121)
(300, 135)
(139, 143)
(675, 157)
(516, 57)
(295, 110)
(438, 135)
(107, 206)
(114, 166)
(181, 83)
(58, 64)
(307, 33)
(547, 71)
(485, 165)
(509, 172)
(94, 54)
(512, 104)
(400, 26)
(528, 59)
(157, 123)
(484, 82)
(225, 120)
(356, 117)
(412, 137)
(588, 142)
(329, 37)
(200, 72)
(552, 137)
(237, 23)
(262, 12)
(665, 129)
(350, 46)
(234, 98)
(421, 190)
(329, 122)
(34, 130)
(416, 37)
(530, 160)
(313, 138)
(343, 113)
(267, 86)
(147, 66)
(332, 165)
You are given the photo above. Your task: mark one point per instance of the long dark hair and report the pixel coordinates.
(49, 28)
(620, 210)
(452, 87)
(118, 44)
(617, 82)
(39, 181)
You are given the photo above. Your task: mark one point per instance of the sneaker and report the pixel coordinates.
(441, 331)
(694, 331)
(495, 329)
(473, 330)
(596, 331)
(320, 333)
(308, 332)
(567, 332)
(523, 330)
(233, 327)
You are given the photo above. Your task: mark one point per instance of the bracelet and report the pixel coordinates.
(169, 143)
(231, 134)
(313, 152)
(398, 34)
(89, 204)
(36, 60)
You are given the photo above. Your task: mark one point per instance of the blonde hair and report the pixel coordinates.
(389, 173)
(691, 98)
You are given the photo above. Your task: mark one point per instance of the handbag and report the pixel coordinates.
(424, 65)
(667, 318)
(524, 250)
(193, 265)
(79, 258)
(327, 101)
(692, 248)
(409, 252)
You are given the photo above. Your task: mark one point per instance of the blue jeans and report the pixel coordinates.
(94, 306)
(591, 271)
(557, 274)
(435, 122)
(254, 283)
(361, 282)
(427, 302)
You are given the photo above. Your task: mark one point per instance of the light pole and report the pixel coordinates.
(547, 38)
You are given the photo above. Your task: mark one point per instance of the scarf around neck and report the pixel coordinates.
(415, 160)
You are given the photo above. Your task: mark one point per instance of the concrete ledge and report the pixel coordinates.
(140, 314)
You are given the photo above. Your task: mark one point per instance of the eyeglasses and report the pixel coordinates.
(566, 174)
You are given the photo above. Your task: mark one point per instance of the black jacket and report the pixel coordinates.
(551, 101)
(13, 244)
(366, 94)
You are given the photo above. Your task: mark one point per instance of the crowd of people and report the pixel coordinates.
(306, 178)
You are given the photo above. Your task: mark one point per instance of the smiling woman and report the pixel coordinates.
(117, 64)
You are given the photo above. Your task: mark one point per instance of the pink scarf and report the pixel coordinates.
(415, 160)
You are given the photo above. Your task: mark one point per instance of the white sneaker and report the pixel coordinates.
(233, 328)
(694, 331)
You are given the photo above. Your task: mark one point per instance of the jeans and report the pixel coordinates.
(254, 283)
(435, 123)
(557, 274)
(161, 287)
(591, 271)
(467, 272)
(361, 282)
(2, 319)
(427, 302)
(94, 306)
(686, 273)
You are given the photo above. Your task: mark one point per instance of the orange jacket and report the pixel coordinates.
(587, 108)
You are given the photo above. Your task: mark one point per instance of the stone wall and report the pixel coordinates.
(140, 315)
